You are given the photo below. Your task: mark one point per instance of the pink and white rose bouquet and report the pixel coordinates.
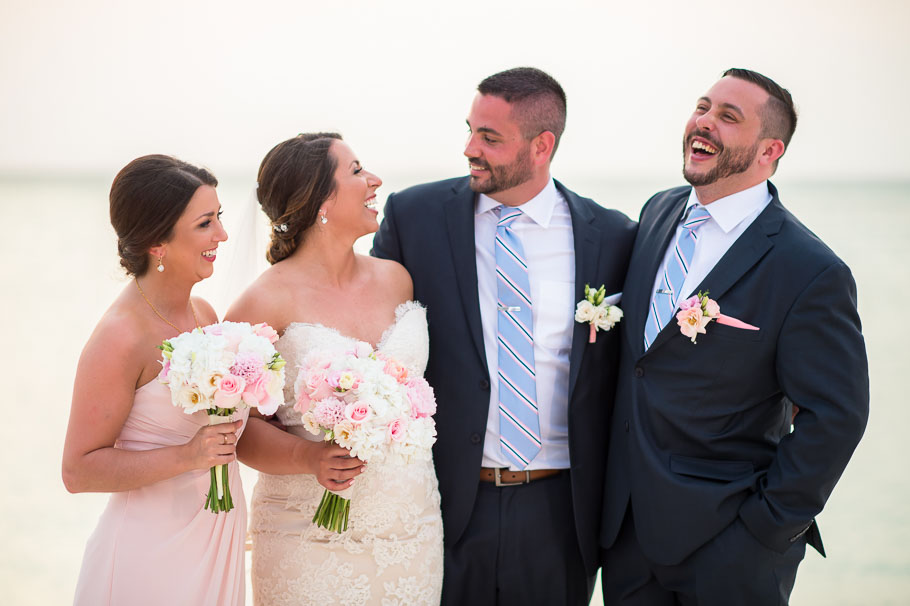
(368, 403)
(220, 369)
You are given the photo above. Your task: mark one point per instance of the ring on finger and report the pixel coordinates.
(223, 440)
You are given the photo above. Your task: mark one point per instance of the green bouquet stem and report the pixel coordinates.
(219, 497)
(332, 513)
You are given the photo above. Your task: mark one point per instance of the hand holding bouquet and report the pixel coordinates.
(222, 368)
(368, 403)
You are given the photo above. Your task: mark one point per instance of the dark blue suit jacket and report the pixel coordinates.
(701, 432)
(430, 230)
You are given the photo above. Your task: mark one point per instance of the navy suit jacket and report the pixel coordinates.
(701, 432)
(430, 230)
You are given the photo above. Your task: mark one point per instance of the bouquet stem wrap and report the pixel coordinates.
(219, 496)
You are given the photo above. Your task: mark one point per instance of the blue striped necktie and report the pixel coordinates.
(519, 425)
(665, 298)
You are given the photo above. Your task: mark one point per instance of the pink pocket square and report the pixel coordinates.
(730, 321)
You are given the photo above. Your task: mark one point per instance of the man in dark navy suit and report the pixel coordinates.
(710, 497)
(522, 415)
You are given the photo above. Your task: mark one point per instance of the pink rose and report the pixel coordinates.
(396, 370)
(357, 412)
(397, 430)
(692, 322)
(690, 303)
(229, 391)
(421, 397)
(256, 391)
(712, 309)
(264, 330)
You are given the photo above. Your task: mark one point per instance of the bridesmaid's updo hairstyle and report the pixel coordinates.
(295, 178)
(147, 197)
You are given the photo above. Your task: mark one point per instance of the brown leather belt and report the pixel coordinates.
(504, 477)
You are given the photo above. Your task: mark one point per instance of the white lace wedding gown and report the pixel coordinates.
(391, 553)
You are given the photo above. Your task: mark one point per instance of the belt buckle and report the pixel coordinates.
(497, 476)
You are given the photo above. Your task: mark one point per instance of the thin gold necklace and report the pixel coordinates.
(157, 313)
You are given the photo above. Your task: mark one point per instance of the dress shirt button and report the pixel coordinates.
(639, 371)
(627, 427)
(475, 438)
(485, 385)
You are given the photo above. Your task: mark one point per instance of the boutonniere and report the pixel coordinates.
(597, 312)
(698, 310)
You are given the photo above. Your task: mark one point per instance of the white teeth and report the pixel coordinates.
(209, 253)
(475, 167)
(698, 145)
(371, 204)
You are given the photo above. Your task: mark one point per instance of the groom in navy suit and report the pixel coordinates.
(710, 495)
(500, 258)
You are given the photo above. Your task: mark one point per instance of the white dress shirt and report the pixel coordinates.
(545, 231)
(730, 216)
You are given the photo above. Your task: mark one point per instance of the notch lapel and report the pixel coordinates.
(459, 212)
(650, 247)
(587, 257)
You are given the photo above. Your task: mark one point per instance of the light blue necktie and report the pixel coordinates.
(519, 425)
(664, 300)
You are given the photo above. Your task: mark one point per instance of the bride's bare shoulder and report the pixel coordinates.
(393, 276)
(263, 300)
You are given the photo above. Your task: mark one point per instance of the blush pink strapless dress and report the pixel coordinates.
(157, 545)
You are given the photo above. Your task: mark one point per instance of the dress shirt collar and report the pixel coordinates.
(729, 211)
(539, 208)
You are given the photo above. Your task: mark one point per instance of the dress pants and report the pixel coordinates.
(732, 569)
(519, 548)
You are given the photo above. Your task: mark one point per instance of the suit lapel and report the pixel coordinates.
(650, 248)
(459, 211)
(587, 253)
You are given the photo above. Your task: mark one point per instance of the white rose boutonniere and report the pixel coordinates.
(594, 310)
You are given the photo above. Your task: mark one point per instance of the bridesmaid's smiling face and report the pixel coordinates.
(353, 206)
(194, 243)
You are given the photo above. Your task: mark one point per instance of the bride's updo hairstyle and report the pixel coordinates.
(147, 197)
(295, 178)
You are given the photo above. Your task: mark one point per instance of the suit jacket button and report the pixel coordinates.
(475, 438)
(639, 371)
(485, 385)
(627, 427)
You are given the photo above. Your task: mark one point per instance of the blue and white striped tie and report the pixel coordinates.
(667, 295)
(519, 424)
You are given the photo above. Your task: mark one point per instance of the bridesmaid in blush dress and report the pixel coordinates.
(155, 543)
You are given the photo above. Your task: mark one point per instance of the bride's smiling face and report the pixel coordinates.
(193, 246)
(353, 206)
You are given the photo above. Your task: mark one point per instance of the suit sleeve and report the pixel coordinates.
(385, 243)
(821, 367)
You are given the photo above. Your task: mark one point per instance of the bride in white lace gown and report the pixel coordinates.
(322, 296)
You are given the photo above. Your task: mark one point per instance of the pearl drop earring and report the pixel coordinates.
(160, 265)
(323, 219)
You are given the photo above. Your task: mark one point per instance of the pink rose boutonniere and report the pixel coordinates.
(698, 310)
(597, 312)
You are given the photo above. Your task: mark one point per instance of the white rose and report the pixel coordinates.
(584, 312)
(191, 399)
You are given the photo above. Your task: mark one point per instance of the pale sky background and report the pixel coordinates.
(87, 86)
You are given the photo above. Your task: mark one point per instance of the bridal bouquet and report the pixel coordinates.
(222, 368)
(366, 402)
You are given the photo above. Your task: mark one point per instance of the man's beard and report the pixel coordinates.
(730, 161)
(504, 177)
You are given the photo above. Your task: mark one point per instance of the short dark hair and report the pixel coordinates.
(778, 116)
(538, 101)
(147, 197)
(295, 178)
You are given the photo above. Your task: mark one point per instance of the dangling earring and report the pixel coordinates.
(160, 264)
(323, 219)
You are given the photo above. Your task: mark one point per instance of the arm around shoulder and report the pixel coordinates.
(385, 243)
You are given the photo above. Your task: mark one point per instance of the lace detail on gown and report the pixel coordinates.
(391, 554)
